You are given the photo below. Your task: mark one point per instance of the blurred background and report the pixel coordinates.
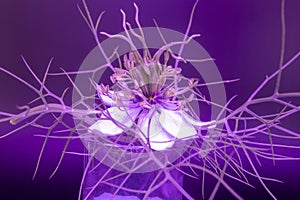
(243, 36)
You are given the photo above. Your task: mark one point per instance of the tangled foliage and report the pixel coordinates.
(145, 118)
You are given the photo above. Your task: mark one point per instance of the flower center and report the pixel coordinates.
(149, 90)
(151, 100)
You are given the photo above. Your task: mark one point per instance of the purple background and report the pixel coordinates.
(243, 37)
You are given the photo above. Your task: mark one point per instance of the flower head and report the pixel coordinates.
(146, 98)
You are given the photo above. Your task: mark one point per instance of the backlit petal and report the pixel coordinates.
(199, 123)
(107, 100)
(159, 139)
(175, 123)
(112, 98)
(106, 126)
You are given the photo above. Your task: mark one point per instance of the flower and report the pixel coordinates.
(146, 98)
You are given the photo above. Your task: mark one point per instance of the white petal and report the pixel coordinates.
(159, 139)
(107, 100)
(175, 123)
(113, 98)
(105, 126)
(191, 120)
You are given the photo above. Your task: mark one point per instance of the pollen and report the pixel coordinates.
(151, 99)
